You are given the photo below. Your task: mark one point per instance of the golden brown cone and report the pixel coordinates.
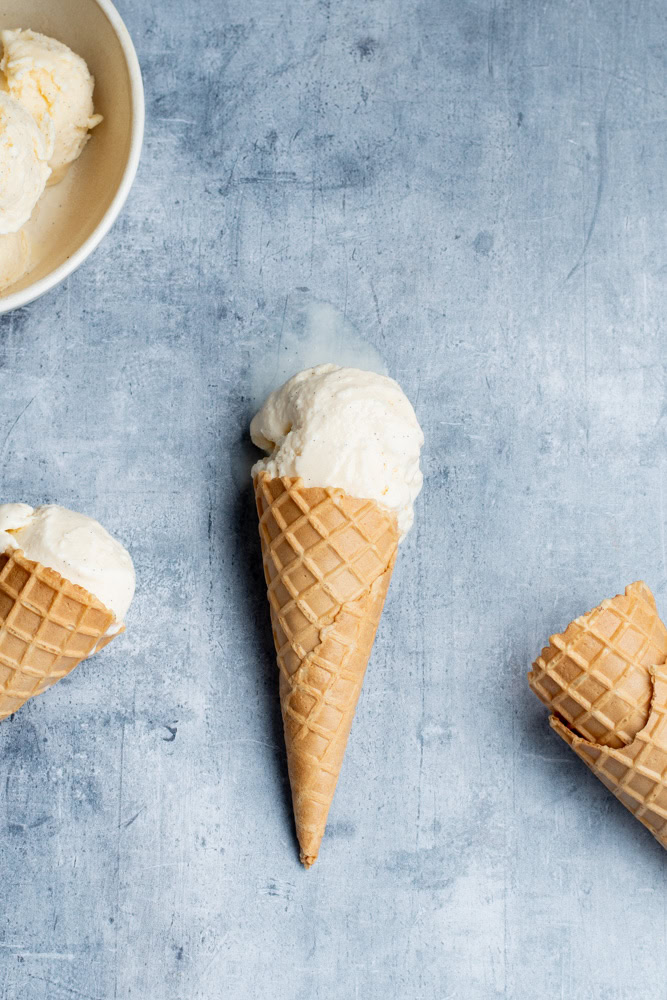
(595, 675)
(637, 773)
(47, 626)
(328, 559)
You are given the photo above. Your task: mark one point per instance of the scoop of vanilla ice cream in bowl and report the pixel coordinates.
(55, 85)
(344, 428)
(24, 168)
(72, 68)
(66, 585)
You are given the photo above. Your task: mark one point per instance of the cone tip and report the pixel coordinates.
(308, 860)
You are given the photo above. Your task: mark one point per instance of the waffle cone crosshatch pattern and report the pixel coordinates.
(637, 773)
(605, 681)
(595, 675)
(328, 560)
(47, 626)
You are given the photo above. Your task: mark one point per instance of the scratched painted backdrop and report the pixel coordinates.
(471, 194)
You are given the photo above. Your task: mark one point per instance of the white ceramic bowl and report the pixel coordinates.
(73, 217)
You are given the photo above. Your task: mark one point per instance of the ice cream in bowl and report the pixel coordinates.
(66, 585)
(71, 127)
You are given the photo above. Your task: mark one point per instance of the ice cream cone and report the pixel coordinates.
(328, 559)
(637, 773)
(595, 675)
(47, 626)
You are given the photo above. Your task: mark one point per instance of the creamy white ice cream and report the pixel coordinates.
(74, 545)
(55, 86)
(14, 258)
(345, 428)
(24, 169)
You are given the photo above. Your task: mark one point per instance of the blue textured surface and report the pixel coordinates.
(479, 189)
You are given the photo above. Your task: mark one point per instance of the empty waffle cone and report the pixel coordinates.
(596, 674)
(47, 626)
(328, 559)
(637, 773)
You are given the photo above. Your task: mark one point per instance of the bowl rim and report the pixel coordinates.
(49, 281)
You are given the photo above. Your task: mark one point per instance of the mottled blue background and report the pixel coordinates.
(477, 190)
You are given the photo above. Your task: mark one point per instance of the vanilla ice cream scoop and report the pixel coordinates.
(24, 169)
(345, 428)
(75, 546)
(56, 87)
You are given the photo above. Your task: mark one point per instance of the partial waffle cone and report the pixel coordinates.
(637, 773)
(47, 626)
(328, 559)
(596, 674)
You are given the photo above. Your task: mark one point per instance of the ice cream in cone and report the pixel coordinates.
(65, 587)
(605, 680)
(334, 497)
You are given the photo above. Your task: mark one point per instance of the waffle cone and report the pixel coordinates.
(637, 773)
(47, 626)
(328, 559)
(596, 675)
